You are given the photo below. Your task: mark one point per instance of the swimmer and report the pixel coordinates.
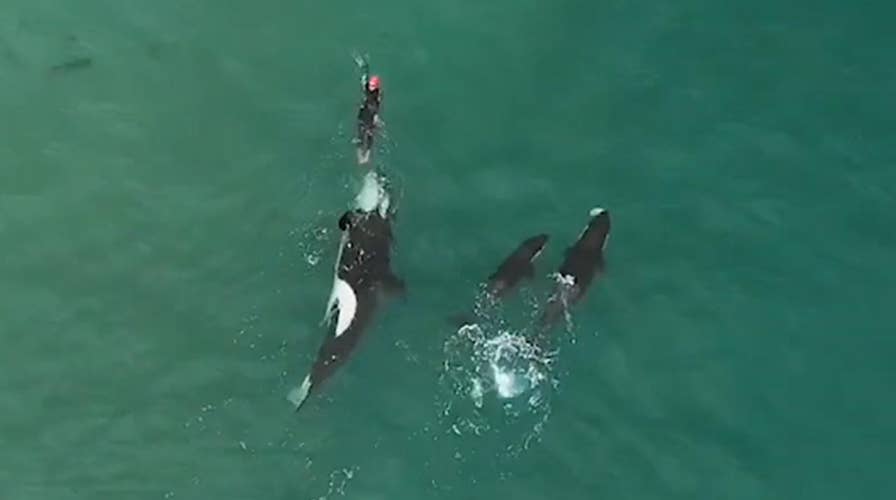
(368, 113)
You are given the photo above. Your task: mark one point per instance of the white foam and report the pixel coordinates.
(506, 383)
(476, 392)
(564, 279)
(372, 195)
(384, 204)
(510, 353)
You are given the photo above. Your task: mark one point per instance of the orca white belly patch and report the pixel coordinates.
(344, 299)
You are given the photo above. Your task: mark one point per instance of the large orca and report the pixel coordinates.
(516, 267)
(584, 260)
(362, 277)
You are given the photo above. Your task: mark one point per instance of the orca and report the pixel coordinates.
(516, 267)
(584, 261)
(363, 277)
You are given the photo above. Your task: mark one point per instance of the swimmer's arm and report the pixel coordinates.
(379, 108)
(378, 121)
(365, 71)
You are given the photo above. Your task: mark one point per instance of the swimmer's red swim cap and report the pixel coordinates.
(374, 83)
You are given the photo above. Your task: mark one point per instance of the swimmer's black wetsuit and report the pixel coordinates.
(369, 109)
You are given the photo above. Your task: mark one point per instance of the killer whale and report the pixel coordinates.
(584, 261)
(516, 267)
(362, 276)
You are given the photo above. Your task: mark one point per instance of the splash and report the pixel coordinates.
(498, 384)
(513, 365)
(339, 479)
(373, 195)
(504, 368)
(565, 284)
(314, 240)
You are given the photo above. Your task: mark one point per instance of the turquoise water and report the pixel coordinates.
(167, 217)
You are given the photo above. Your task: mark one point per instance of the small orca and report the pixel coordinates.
(584, 260)
(519, 265)
(363, 276)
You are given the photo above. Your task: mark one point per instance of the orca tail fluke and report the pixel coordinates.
(299, 394)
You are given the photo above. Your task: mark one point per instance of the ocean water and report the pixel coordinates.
(168, 225)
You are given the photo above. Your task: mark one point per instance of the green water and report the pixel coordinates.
(167, 222)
